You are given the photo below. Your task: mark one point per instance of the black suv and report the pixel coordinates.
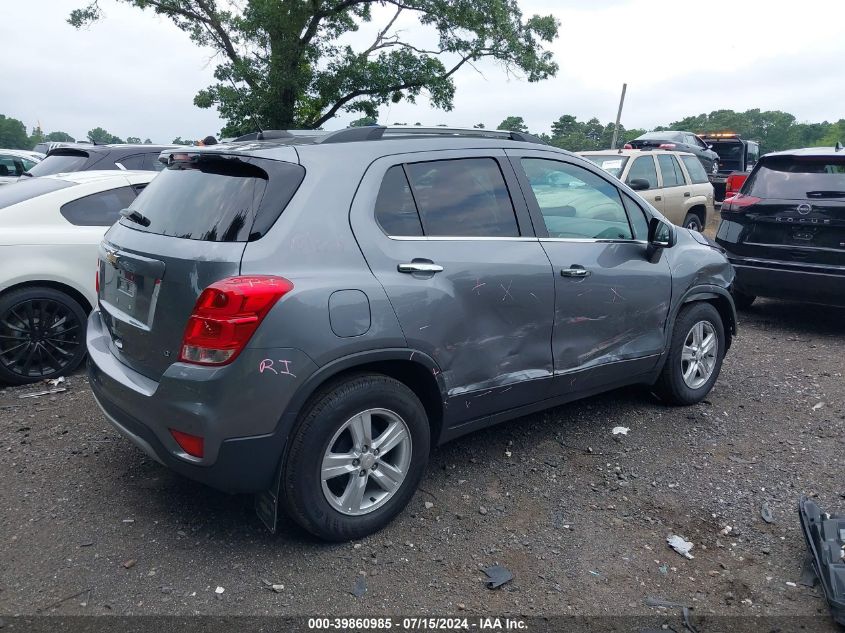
(785, 230)
(85, 157)
(681, 142)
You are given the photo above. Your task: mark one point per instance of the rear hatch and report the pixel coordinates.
(793, 209)
(186, 230)
(67, 159)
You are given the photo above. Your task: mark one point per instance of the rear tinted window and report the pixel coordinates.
(216, 199)
(695, 170)
(29, 188)
(59, 163)
(796, 178)
(98, 209)
(396, 212)
(643, 169)
(463, 197)
(670, 170)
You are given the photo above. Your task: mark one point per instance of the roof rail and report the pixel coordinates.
(375, 132)
(264, 135)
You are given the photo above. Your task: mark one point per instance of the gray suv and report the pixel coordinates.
(303, 318)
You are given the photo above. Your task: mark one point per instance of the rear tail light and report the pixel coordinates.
(226, 315)
(192, 444)
(738, 203)
(666, 146)
(734, 183)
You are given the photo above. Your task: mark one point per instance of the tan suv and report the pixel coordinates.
(674, 183)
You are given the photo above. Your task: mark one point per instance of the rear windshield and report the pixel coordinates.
(798, 178)
(730, 153)
(61, 162)
(215, 199)
(29, 188)
(613, 164)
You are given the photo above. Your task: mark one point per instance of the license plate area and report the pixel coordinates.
(127, 283)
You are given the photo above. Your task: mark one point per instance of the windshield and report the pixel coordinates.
(798, 178)
(62, 162)
(730, 153)
(30, 188)
(612, 164)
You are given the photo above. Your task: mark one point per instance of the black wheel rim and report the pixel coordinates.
(38, 337)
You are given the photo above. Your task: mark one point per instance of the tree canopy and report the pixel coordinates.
(13, 133)
(284, 63)
(101, 136)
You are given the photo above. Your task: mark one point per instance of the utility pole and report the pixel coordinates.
(618, 117)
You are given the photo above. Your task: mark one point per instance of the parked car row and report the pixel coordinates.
(259, 331)
(14, 162)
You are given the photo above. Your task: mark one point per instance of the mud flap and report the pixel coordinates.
(825, 536)
(267, 504)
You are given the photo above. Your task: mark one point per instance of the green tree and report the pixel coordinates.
(180, 141)
(364, 121)
(13, 134)
(284, 64)
(59, 137)
(513, 124)
(37, 136)
(100, 136)
(133, 139)
(478, 126)
(147, 142)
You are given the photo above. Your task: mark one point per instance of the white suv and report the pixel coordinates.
(674, 183)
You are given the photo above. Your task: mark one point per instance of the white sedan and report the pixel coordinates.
(14, 162)
(50, 231)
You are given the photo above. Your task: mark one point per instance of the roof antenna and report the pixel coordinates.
(260, 136)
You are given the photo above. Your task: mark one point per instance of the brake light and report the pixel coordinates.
(666, 146)
(192, 444)
(738, 203)
(627, 146)
(97, 278)
(734, 183)
(226, 315)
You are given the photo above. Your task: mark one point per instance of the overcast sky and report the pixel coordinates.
(136, 74)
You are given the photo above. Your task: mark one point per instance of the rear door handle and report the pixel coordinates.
(658, 198)
(575, 271)
(419, 267)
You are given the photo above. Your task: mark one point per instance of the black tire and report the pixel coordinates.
(693, 222)
(670, 386)
(302, 492)
(741, 300)
(42, 334)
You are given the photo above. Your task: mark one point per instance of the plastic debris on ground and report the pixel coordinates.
(497, 576)
(360, 587)
(680, 545)
(620, 430)
(766, 513)
(38, 394)
(824, 534)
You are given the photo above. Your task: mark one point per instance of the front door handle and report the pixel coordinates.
(419, 267)
(575, 271)
(687, 194)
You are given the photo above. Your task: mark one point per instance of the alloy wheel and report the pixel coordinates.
(366, 461)
(699, 354)
(693, 224)
(38, 337)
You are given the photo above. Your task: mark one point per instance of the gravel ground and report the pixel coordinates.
(578, 515)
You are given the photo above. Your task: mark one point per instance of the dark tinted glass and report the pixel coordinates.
(60, 163)
(576, 203)
(695, 169)
(212, 200)
(135, 161)
(796, 178)
(10, 166)
(643, 168)
(671, 177)
(396, 212)
(464, 197)
(29, 188)
(99, 209)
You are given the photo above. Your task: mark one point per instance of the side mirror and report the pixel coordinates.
(639, 184)
(660, 234)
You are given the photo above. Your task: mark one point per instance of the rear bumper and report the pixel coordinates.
(225, 406)
(783, 280)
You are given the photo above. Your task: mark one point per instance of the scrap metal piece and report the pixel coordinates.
(766, 513)
(497, 576)
(822, 534)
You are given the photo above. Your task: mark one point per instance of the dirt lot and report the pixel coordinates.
(580, 516)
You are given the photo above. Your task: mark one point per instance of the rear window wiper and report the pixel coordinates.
(826, 194)
(135, 216)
